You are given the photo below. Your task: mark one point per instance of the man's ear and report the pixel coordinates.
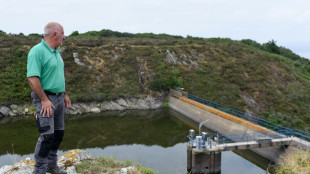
(54, 33)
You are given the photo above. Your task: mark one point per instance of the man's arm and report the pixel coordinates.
(47, 105)
(67, 100)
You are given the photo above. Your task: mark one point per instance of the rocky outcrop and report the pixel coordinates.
(171, 58)
(4, 111)
(144, 74)
(15, 110)
(146, 103)
(181, 58)
(77, 60)
(67, 162)
(118, 105)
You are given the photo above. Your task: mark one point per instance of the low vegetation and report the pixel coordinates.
(265, 80)
(298, 163)
(110, 165)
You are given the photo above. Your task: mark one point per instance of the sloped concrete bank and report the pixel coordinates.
(225, 126)
(146, 103)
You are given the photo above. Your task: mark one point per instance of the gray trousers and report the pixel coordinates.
(51, 132)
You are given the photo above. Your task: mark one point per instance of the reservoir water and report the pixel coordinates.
(155, 139)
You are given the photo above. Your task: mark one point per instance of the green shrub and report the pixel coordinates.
(2, 33)
(146, 170)
(271, 46)
(251, 43)
(74, 33)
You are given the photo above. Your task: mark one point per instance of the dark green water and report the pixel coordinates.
(156, 139)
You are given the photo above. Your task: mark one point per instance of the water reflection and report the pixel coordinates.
(156, 139)
(119, 128)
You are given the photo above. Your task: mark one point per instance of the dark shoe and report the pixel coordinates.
(56, 170)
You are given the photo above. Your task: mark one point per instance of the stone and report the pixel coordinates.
(122, 102)
(76, 55)
(4, 169)
(71, 170)
(62, 50)
(145, 103)
(171, 58)
(126, 169)
(195, 55)
(24, 166)
(4, 111)
(77, 60)
(66, 161)
(95, 110)
(13, 106)
(13, 113)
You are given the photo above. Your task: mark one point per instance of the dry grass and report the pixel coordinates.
(298, 163)
(110, 166)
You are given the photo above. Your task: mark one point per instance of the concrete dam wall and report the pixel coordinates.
(224, 123)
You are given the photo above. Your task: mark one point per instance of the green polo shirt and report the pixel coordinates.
(47, 64)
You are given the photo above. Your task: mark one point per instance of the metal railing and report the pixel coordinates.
(224, 139)
(253, 119)
(213, 139)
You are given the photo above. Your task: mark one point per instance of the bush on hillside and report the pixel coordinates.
(2, 33)
(74, 33)
(251, 43)
(271, 47)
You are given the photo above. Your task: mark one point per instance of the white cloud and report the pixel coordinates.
(286, 21)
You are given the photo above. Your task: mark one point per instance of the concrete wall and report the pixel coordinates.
(199, 113)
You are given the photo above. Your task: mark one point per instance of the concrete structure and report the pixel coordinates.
(228, 124)
(206, 162)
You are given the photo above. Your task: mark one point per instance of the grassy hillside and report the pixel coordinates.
(265, 80)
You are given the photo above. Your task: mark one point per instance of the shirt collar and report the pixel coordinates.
(48, 47)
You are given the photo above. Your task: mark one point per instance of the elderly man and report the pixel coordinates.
(45, 73)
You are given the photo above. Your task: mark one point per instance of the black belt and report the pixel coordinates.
(51, 93)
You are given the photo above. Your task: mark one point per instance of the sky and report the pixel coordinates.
(285, 21)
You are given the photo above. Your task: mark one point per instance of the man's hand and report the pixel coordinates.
(67, 101)
(47, 105)
(47, 108)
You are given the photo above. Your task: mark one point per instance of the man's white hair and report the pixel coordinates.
(50, 28)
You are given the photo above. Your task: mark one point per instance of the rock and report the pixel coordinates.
(115, 56)
(13, 106)
(193, 64)
(126, 169)
(144, 73)
(73, 110)
(71, 170)
(76, 55)
(171, 58)
(66, 162)
(95, 110)
(77, 60)
(73, 157)
(119, 48)
(183, 56)
(13, 113)
(148, 102)
(4, 111)
(62, 50)
(4, 169)
(114, 106)
(196, 56)
(24, 166)
(123, 102)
